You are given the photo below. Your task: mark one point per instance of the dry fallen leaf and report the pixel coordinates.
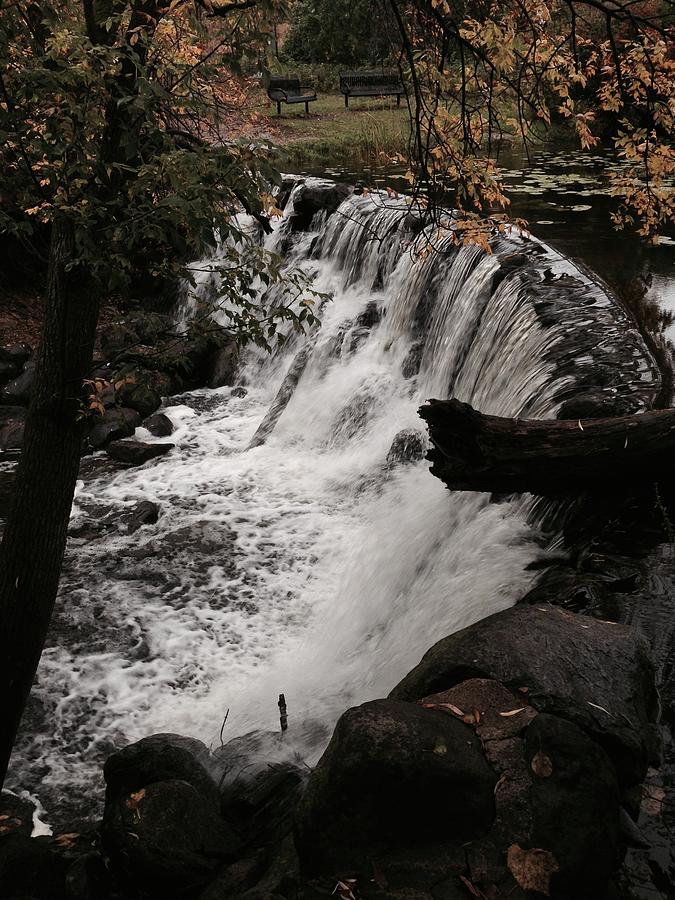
(513, 712)
(455, 709)
(542, 765)
(67, 840)
(532, 869)
(134, 800)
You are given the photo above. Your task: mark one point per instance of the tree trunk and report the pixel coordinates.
(34, 540)
(474, 452)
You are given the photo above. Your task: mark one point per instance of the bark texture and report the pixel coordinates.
(34, 540)
(475, 452)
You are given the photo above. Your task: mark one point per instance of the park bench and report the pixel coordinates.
(288, 90)
(371, 84)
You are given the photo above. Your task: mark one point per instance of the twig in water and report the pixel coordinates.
(222, 728)
(283, 714)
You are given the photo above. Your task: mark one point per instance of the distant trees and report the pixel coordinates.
(345, 32)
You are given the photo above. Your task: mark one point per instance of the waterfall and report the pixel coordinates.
(310, 562)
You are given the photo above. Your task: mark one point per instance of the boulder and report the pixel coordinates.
(19, 391)
(239, 392)
(160, 425)
(596, 674)
(88, 878)
(128, 521)
(30, 869)
(261, 779)
(9, 415)
(222, 365)
(167, 839)
(118, 337)
(19, 354)
(136, 453)
(16, 814)
(159, 757)
(396, 779)
(8, 369)
(574, 802)
(557, 797)
(409, 445)
(593, 406)
(12, 360)
(141, 397)
(112, 425)
(317, 197)
(11, 436)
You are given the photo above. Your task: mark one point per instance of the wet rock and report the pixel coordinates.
(145, 512)
(238, 392)
(118, 337)
(136, 453)
(112, 425)
(167, 838)
(557, 792)
(19, 391)
(409, 445)
(394, 779)
(159, 757)
(11, 436)
(160, 425)
(12, 360)
(262, 807)
(592, 406)
(596, 674)
(88, 878)
(30, 869)
(9, 415)
(142, 513)
(19, 353)
(370, 317)
(314, 198)
(574, 802)
(222, 365)
(16, 814)
(8, 369)
(261, 779)
(140, 397)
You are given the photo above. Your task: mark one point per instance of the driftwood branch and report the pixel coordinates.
(475, 452)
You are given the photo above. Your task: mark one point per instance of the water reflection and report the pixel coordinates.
(565, 198)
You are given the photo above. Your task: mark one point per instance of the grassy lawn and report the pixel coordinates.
(368, 129)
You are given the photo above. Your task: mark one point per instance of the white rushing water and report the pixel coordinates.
(308, 565)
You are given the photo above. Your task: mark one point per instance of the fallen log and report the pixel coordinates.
(475, 452)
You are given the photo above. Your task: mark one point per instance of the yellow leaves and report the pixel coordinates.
(541, 765)
(582, 125)
(134, 801)
(9, 823)
(532, 869)
(66, 841)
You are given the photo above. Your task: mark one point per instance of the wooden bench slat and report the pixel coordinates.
(371, 84)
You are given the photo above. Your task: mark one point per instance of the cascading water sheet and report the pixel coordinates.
(316, 564)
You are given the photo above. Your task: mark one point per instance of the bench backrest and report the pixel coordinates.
(371, 79)
(282, 83)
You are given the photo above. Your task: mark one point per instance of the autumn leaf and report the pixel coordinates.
(542, 765)
(532, 869)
